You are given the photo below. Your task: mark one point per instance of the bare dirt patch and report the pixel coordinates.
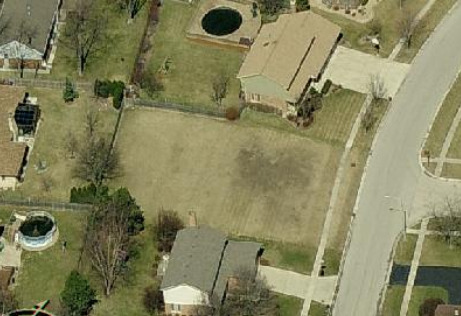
(244, 180)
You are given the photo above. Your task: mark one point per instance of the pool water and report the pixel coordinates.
(221, 21)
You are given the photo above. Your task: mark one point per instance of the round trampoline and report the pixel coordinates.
(221, 21)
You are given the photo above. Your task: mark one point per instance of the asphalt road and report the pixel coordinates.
(393, 170)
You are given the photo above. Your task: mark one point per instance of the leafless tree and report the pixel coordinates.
(71, 144)
(406, 25)
(447, 220)
(4, 24)
(47, 183)
(97, 161)
(132, 7)
(85, 31)
(26, 33)
(91, 122)
(220, 86)
(166, 227)
(248, 295)
(107, 242)
(376, 87)
(8, 301)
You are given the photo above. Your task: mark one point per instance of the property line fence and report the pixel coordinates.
(44, 83)
(42, 204)
(219, 113)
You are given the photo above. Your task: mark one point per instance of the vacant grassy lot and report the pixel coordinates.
(193, 66)
(405, 250)
(386, 14)
(248, 181)
(436, 252)
(451, 170)
(57, 120)
(393, 300)
(443, 120)
(420, 293)
(115, 57)
(426, 26)
(332, 123)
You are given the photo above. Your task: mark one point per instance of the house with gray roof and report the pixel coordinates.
(200, 265)
(27, 31)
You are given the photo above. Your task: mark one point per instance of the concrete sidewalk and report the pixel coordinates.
(296, 284)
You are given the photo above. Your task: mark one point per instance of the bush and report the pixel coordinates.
(69, 93)
(232, 113)
(326, 86)
(167, 225)
(152, 299)
(427, 308)
(88, 194)
(77, 297)
(107, 88)
(302, 5)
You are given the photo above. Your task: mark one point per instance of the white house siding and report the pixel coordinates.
(8, 183)
(184, 295)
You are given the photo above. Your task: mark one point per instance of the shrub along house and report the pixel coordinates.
(285, 58)
(28, 28)
(201, 264)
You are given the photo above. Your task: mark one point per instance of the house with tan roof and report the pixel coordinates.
(13, 154)
(286, 57)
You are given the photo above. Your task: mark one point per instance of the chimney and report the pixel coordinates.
(13, 127)
(193, 219)
(166, 259)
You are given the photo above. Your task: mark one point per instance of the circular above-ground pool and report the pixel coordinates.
(221, 21)
(37, 231)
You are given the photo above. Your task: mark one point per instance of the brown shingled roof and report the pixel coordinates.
(11, 154)
(447, 310)
(291, 50)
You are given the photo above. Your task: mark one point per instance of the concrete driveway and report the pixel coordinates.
(352, 70)
(296, 284)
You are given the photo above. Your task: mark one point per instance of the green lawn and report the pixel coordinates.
(193, 65)
(332, 123)
(290, 256)
(386, 12)
(436, 252)
(451, 170)
(393, 300)
(317, 309)
(420, 293)
(289, 305)
(427, 24)
(332, 260)
(405, 250)
(43, 274)
(57, 120)
(116, 57)
(444, 120)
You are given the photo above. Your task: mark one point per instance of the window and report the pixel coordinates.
(176, 307)
(255, 97)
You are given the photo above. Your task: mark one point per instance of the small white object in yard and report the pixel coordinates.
(375, 41)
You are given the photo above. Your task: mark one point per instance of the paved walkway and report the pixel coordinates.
(446, 160)
(447, 143)
(414, 268)
(296, 284)
(312, 288)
